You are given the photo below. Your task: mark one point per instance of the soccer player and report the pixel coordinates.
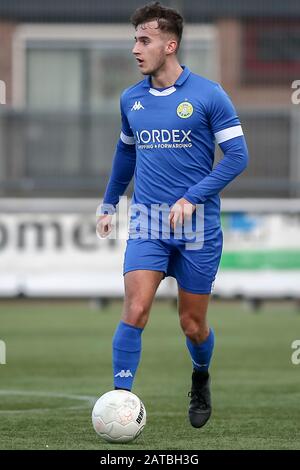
(170, 122)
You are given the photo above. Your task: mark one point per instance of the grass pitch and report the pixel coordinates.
(59, 362)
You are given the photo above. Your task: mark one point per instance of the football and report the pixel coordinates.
(119, 416)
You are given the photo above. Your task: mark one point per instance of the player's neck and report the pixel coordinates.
(166, 76)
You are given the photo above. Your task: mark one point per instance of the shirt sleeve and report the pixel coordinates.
(123, 167)
(228, 133)
(223, 118)
(126, 132)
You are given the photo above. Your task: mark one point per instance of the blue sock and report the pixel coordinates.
(201, 353)
(127, 345)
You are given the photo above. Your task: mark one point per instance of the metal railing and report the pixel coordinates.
(68, 154)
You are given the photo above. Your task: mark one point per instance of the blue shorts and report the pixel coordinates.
(195, 270)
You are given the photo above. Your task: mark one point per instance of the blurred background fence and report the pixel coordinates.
(69, 153)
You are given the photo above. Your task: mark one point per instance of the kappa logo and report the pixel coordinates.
(137, 106)
(124, 373)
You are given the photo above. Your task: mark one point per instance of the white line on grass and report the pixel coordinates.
(90, 401)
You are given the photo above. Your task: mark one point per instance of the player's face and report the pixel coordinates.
(151, 47)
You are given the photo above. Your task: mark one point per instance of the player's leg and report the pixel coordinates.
(200, 343)
(195, 271)
(193, 321)
(140, 288)
(145, 263)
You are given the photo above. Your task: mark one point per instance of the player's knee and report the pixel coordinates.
(136, 314)
(196, 332)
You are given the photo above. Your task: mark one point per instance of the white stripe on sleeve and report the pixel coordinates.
(227, 134)
(126, 139)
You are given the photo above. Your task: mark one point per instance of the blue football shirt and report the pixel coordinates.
(174, 131)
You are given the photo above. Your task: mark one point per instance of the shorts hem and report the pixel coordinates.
(195, 291)
(142, 269)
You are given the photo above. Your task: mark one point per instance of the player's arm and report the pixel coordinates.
(122, 172)
(229, 135)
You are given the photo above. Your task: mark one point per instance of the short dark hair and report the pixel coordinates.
(168, 19)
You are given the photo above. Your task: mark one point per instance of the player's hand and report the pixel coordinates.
(104, 225)
(181, 211)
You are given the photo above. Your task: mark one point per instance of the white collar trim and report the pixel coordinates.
(166, 92)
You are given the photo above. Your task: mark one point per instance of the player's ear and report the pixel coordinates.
(171, 46)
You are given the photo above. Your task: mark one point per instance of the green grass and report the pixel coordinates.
(58, 349)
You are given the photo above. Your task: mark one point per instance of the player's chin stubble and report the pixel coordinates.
(153, 70)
